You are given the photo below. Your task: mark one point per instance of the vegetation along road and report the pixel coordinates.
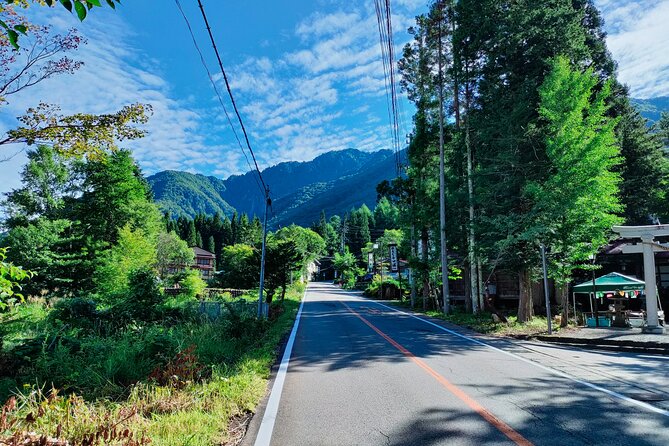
(362, 372)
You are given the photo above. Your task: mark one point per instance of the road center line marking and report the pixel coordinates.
(269, 417)
(611, 393)
(462, 396)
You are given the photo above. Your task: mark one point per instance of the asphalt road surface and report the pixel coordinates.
(362, 373)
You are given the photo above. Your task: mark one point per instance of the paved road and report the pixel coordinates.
(365, 374)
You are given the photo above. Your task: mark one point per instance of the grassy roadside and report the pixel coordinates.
(205, 379)
(484, 323)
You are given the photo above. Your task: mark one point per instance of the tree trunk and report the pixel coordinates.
(563, 293)
(413, 273)
(471, 245)
(426, 275)
(525, 307)
(488, 305)
(482, 294)
(468, 290)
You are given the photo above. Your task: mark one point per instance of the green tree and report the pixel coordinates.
(662, 128)
(308, 244)
(191, 284)
(135, 250)
(210, 246)
(238, 267)
(645, 170)
(346, 264)
(115, 194)
(191, 234)
(283, 258)
(386, 215)
(172, 252)
(575, 206)
(46, 182)
(41, 247)
(11, 277)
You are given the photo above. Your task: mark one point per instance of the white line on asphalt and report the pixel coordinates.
(267, 425)
(542, 367)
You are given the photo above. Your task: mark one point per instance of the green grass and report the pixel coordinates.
(484, 323)
(104, 383)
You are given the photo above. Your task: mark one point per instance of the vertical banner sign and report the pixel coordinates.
(394, 262)
(370, 262)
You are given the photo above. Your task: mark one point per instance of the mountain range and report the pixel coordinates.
(652, 108)
(333, 182)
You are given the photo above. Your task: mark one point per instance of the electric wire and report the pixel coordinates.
(384, 23)
(232, 99)
(218, 94)
(393, 87)
(384, 60)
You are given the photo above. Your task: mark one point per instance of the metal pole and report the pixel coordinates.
(594, 292)
(268, 202)
(442, 186)
(548, 302)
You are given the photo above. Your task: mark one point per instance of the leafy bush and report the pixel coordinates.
(190, 284)
(75, 312)
(391, 288)
(143, 298)
(242, 325)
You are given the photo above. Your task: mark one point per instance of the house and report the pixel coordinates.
(204, 261)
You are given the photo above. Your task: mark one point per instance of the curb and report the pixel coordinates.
(604, 344)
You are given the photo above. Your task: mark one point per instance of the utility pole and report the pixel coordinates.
(548, 302)
(343, 234)
(442, 188)
(268, 203)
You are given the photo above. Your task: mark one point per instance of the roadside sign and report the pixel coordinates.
(394, 262)
(370, 262)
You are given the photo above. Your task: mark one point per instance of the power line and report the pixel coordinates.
(218, 94)
(232, 99)
(384, 23)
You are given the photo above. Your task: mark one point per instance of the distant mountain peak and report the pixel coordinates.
(333, 181)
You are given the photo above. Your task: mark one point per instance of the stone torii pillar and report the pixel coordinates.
(647, 235)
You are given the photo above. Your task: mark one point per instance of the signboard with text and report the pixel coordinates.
(370, 262)
(394, 260)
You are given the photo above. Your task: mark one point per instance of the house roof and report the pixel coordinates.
(199, 252)
(611, 282)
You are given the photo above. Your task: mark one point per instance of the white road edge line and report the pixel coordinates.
(267, 425)
(542, 367)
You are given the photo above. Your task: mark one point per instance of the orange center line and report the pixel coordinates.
(455, 390)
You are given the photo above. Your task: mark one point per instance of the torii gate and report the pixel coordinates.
(647, 235)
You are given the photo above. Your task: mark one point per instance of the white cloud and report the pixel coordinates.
(638, 37)
(112, 76)
(327, 24)
(321, 94)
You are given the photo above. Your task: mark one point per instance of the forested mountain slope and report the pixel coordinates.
(652, 108)
(335, 182)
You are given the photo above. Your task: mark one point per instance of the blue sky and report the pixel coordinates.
(306, 74)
